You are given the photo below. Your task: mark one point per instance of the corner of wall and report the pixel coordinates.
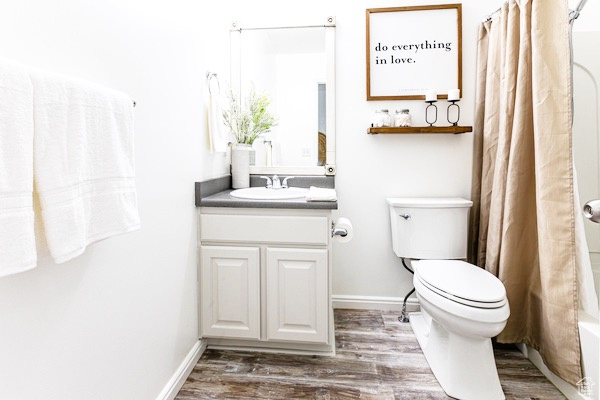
(176, 382)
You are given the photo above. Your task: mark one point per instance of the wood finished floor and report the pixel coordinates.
(377, 357)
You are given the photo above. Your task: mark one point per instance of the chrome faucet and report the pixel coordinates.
(276, 182)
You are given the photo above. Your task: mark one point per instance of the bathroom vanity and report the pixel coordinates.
(265, 265)
(265, 273)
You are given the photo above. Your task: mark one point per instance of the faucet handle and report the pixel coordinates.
(285, 181)
(269, 182)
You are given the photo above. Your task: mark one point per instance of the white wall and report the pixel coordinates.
(116, 322)
(585, 120)
(371, 168)
(588, 19)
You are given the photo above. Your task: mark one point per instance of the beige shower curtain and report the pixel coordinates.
(522, 227)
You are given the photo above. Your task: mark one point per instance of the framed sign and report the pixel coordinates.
(411, 50)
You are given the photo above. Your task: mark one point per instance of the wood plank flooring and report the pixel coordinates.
(377, 357)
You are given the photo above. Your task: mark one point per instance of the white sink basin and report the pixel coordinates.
(262, 193)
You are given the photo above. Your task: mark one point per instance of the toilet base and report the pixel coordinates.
(464, 366)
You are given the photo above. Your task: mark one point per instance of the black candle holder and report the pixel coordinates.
(454, 123)
(434, 111)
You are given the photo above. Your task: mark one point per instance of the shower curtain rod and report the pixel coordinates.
(489, 17)
(573, 14)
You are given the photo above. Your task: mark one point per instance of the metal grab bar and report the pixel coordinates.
(591, 210)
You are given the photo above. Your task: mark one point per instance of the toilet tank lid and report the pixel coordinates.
(429, 202)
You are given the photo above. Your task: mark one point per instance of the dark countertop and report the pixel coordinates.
(223, 199)
(215, 193)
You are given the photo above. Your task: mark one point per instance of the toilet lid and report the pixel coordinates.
(461, 282)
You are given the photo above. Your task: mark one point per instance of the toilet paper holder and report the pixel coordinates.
(343, 232)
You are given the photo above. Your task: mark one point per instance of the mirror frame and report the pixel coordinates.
(236, 84)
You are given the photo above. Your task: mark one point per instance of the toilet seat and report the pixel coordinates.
(462, 301)
(461, 282)
(456, 309)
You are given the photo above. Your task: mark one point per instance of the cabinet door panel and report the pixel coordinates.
(230, 296)
(297, 295)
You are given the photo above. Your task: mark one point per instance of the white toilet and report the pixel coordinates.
(462, 305)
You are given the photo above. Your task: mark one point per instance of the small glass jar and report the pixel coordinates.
(377, 119)
(386, 119)
(402, 118)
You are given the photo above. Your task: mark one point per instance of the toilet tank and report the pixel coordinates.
(430, 228)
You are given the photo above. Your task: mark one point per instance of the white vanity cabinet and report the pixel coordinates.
(265, 278)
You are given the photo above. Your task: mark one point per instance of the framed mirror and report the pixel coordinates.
(295, 67)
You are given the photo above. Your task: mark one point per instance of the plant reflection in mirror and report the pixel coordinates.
(249, 122)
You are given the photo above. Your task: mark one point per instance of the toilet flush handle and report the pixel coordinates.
(405, 216)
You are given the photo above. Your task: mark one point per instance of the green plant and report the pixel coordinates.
(251, 121)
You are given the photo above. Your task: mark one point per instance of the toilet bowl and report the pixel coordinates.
(462, 306)
(456, 323)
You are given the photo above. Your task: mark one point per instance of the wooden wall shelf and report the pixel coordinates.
(421, 129)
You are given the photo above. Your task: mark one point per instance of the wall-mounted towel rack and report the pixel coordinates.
(209, 77)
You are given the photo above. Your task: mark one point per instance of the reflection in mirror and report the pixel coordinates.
(322, 115)
(290, 66)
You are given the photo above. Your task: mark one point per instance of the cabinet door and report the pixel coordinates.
(297, 295)
(230, 295)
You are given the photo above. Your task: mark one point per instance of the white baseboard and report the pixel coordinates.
(373, 303)
(566, 388)
(187, 365)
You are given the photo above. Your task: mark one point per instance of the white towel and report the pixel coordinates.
(321, 194)
(217, 132)
(17, 239)
(84, 167)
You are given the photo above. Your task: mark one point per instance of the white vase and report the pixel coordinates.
(240, 166)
